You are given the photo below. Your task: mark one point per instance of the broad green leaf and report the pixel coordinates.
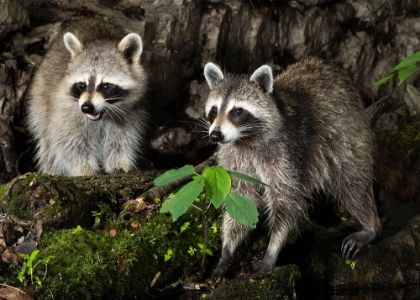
(246, 178)
(383, 80)
(185, 197)
(242, 209)
(217, 183)
(172, 175)
(407, 72)
(407, 62)
(166, 206)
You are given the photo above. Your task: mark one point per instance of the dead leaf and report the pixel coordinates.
(12, 293)
(11, 257)
(155, 279)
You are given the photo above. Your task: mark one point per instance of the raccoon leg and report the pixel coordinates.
(281, 221)
(119, 153)
(72, 164)
(59, 160)
(233, 233)
(364, 210)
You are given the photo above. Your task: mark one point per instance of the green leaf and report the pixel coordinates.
(217, 183)
(172, 175)
(404, 69)
(407, 62)
(185, 226)
(246, 178)
(185, 197)
(407, 72)
(383, 80)
(166, 206)
(242, 209)
(168, 255)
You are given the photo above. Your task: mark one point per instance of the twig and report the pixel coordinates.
(203, 254)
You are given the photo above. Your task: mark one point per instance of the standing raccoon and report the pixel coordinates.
(301, 133)
(86, 110)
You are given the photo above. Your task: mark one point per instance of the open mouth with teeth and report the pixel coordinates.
(94, 117)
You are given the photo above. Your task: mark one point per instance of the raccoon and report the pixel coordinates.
(86, 107)
(301, 133)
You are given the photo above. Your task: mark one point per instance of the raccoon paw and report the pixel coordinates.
(220, 270)
(266, 266)
(116, 171)
(354, 242)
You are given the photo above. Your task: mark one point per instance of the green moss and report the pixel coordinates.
(97, 265)
(277, 284)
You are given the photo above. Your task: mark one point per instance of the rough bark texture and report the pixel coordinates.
(180, 37)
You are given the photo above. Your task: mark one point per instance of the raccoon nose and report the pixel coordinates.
(87, 108)
(216, 135)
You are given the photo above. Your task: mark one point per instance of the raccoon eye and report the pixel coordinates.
(105, 86)
(81, 86)
(238, 111)
(212, 112)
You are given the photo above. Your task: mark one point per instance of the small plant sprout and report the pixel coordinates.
(77, 229)
(29, 265)
(97, 216)
(168, 255)
(212, 187)
(351, 263)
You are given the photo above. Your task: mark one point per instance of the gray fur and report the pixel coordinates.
(92, 52)
(309, 135)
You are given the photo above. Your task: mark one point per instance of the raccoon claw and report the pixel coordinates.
(354, 242)
(350, 247)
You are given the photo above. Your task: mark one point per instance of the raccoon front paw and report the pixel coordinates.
(220, 270)
(116, 171)
(264, 268)
(354, 242)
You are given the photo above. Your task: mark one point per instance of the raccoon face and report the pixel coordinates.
(237, 108)
(104, 75)
(96, 95)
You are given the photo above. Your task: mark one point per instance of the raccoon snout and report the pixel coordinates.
(87, 108)
(216, 135)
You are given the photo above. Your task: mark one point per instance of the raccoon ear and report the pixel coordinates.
(131, 46)
(264, 77)
(212, 74)
(72, 44)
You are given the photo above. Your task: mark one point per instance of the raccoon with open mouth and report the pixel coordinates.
(86, 107)
(302, 132)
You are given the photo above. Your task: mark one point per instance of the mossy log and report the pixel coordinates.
(65, 202)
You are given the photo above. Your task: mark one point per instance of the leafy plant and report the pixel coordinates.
(29, 265)
(403, 70)
(212, 187)
(215, 184)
